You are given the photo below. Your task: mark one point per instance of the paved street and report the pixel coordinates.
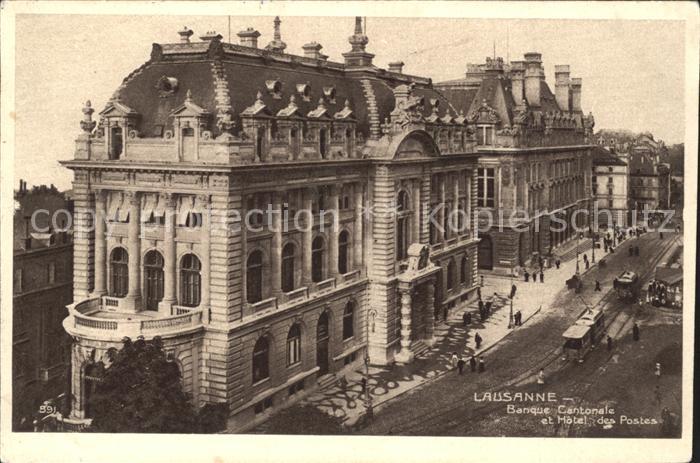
(428, 397)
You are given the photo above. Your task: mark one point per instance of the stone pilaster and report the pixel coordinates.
(100, 245)
(429, 315)
(335, 232)
(169, 265)
(205, 204)
(276, 248)
(306, 237)
(416, 226)
(441, 215)
(358, 241)
(133, 297)
(455, 205)
(83, 240)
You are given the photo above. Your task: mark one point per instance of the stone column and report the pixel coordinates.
(276, 249)
(405, 355)
(358, 240)
(100, 244)
(415, 233)
(306, 236)
(169, 256)
(335, 232)
(133, 297)
(429, 316)
(205, 250)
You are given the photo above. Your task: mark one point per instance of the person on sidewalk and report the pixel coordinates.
(540, 379)
(477, 339)
(541, 262)
(610, 343)
(472, 363)
(587, 264)
(454, 360)
(478, 291)
(518, 318)
(635, 332)
(481, 305)
(482, 365)
(363, 383)
(460, 365)
(465, 318)
(541, 276)
(513, 289)
(557, 263)
(597, 286)
(527, 276)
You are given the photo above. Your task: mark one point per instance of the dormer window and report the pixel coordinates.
(304, 90)
(329, 94)
(166, 86)
(484, 135)
(274, 88)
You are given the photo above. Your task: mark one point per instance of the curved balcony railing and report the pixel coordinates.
(83, 321)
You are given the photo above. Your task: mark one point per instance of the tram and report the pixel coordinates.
(582, 336)
(627, 285)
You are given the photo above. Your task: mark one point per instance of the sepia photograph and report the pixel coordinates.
(243, 226)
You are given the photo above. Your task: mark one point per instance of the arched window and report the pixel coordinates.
(464, 276)
(450, 275)
(190, 281)
(119, 263)
(288, 267)
(317, 259)
(294, 345)
(349, 321)
(402, 221)
(153, 279)
(261, 360)
(343, 241)
(254, 277)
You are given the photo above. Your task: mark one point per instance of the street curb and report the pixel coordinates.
(439, 375)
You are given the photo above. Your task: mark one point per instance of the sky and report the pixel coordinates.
(632, 70)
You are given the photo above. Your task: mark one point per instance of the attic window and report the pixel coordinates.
(304, 90)
(329, 94)
(167, 86)
(274, 88)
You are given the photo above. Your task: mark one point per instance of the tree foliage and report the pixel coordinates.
(141, 391)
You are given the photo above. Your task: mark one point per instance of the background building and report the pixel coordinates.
(204, 137)
(534, 156)
(43, 272)
(610, 189)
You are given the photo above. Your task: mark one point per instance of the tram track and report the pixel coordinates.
(547, 353)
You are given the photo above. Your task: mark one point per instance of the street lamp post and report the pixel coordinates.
(368, 397)
(577, 253)
(593, 247)
(512, 296)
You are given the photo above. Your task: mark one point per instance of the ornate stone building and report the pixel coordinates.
(534, 157)
(268, 216)
(610, 189)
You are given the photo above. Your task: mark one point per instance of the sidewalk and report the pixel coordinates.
(345, 401)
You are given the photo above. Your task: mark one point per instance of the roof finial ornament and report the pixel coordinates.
(258, 97)
(347, 104)
(277, 45)
(188, 96)
(185, 35)
(321, 103)
(87, 124)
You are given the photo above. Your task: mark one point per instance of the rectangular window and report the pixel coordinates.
(484, 135)
(293, 350)
(486, 187)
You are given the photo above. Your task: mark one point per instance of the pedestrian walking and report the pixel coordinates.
(477, 339)
(587, 264)
(527, 276)
(363, 383)
(541, 262)
(534, 276)
(557, 263)
(661, 235)
(518, 318)
(540, 378)
(657, 370)
(541, 277)
(465, 318)
(513, 289)
(610, 343)
(481, 305)
(482, 365)
(472, 363)
(597, 286)
(460, 365)
(478, 290)
(454, 360)
(635, 332)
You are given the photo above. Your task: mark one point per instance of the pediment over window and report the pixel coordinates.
(118, 109)
(189, 109)
(484, 114)
(257, 109)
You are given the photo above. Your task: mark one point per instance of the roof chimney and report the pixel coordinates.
(277, 45)
(517, 76)
(185, 35)
(249, 37)
(576, 94)
(357, 56)
(561, 86)
(312, 50)
(396, 66)
(210, 35)
(533, 76)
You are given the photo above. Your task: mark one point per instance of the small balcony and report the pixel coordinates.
(97, 318)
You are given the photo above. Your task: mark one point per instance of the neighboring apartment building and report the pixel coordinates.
(534, 156)
(610, 189)
(256, 316)
(42, 277)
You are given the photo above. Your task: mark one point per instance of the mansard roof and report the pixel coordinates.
(226, 78)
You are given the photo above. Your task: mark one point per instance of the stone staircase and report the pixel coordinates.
(326, 381)
(584, 247)
(419, 348)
